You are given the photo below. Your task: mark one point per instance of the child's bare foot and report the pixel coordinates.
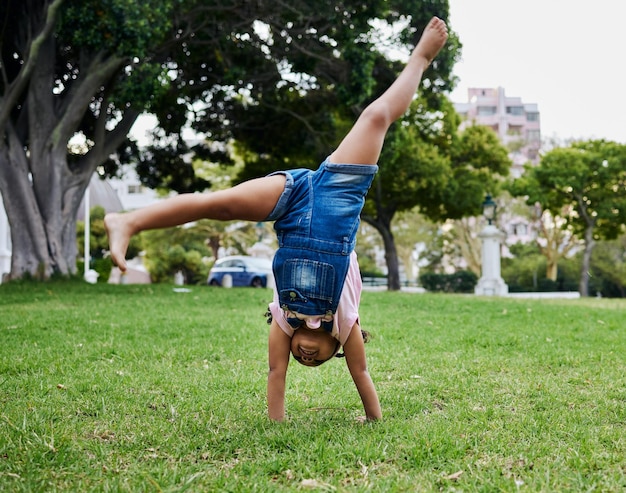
(433, 39)
(119, 235)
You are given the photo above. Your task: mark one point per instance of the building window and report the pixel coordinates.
(532, 117)
(134, 189)
(515, 110)
(519, 229)
(486, 110)
(533, 135)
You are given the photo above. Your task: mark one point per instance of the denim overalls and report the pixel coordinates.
(317, 219)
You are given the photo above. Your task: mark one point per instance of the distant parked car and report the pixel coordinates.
(244, 271)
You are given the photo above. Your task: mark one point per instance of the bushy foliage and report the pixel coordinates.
(462, 281)
(173, 250)
(103, 266)
(120, 26)
(588, 178)
(526, 271)
(608, 268)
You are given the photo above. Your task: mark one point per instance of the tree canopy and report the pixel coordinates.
(283, 80)
(68, 68)
(427, 163)
(588, 178)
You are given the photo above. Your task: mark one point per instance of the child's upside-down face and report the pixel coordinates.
(311, 345)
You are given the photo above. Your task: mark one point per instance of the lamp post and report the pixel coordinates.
(491, 283)
(489, 209)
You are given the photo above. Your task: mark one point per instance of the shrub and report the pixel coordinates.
(527, 273)
(462, 281)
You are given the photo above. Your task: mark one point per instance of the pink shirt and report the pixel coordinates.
(347, 310)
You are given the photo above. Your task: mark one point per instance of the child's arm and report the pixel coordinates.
(354, 349)
(279, 350)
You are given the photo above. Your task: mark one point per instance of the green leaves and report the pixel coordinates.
(586, 183)
(589, 177)
(426, 163)
(128, 28)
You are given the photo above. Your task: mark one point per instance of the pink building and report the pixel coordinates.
(516, 123)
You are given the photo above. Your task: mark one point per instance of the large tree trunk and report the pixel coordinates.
(42, 219)
(382, 223)
(583, 287)
(40, 192)
(28, 234)
(391, 257)
(391, 254)
(552, 268)
(45, 182)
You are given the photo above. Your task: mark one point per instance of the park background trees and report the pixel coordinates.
(271, 86)
(283, 81)
(588, 179)
(429, 164)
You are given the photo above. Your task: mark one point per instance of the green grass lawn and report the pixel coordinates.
(141, 388)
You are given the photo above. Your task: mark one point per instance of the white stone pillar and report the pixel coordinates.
(491, 283)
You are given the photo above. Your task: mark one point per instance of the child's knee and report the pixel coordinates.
(378, 116)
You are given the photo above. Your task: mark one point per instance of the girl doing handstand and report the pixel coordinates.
(316, 216)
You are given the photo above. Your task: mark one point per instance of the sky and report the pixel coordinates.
(567, 56)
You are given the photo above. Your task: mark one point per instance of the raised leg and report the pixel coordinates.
(252, 200)
(364, 142)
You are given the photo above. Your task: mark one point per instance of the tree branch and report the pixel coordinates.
(80, 96)
(14, 90)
